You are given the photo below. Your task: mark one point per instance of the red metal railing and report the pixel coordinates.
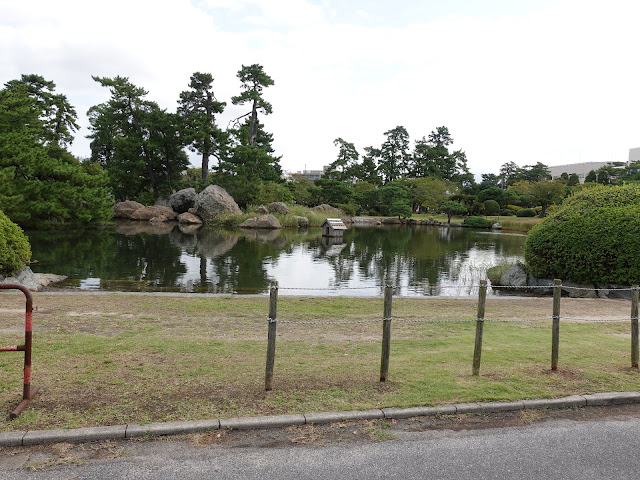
(27, 392)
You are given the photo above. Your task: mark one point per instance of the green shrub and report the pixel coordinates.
(478, 222)
(515, 208)
(506, 212)
(593, 237)
(15, 251)
(526, 212)
(349, 208)
(491, 207)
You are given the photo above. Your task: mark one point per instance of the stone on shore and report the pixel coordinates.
(214, 201)
(264, 221)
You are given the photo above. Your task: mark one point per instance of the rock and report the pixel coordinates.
(278, 207)
(614, 291)
(261, 210)
(131, 227)
(47, 279)
(391, 221)
(455, 224)
(577, 290)
(155, 213)
(515, 276)
(214, 201)
(496, 226)
(126, 209)
(189, 218)
(541, 282)
(328, 209)
(264, 221)
(33, 281)
(365, 221)
(302, 221)
(182, 200)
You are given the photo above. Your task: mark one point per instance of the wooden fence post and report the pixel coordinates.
(271, 337)
(555, 329)
(477, 351)
(386, 334)
(634, 326)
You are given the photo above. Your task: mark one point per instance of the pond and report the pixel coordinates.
(137, 256)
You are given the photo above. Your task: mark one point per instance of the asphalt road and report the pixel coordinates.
(556, 448)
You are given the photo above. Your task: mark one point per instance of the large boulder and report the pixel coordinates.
(264, 221)
(182, 200)
(278, 207)
(515, 276)
(126, 209)
(214, 201)
(155, 213)
(324, 208)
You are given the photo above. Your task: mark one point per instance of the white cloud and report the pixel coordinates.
(557, 85)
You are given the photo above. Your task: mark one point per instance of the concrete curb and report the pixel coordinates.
(79, 435)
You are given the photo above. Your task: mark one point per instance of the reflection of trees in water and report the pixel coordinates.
(243, 268)
(109, 255)
(420, 255)
(74, 253)
(142, 255)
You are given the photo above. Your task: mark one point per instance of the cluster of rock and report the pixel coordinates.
(518, 276)
(186, 206)
(265, 218)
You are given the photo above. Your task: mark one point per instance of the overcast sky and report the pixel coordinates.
(525, 81)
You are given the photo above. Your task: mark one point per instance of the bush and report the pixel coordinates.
(349, 208)
(593, 237)
(491, 207)
(478, 222)
(514, 208)
(15, 251)
(526, 212)
(506, 212)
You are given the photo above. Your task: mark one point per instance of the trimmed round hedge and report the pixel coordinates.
(15, 251)
(526, 212)
(478, 222)
(593, 237)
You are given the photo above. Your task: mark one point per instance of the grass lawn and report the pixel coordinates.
(119, 358)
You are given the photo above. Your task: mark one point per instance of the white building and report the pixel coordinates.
(580, 169)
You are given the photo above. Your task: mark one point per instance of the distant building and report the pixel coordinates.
(310, 175)
(580, 169)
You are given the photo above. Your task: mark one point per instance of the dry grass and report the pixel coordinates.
(119, 358)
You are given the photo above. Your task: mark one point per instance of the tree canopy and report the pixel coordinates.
(41, 184)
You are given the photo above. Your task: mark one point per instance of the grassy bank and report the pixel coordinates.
(512, 224)
(115, 359)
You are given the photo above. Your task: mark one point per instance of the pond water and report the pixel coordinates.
(137, 256)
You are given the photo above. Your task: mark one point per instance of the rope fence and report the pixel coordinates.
(479, 320)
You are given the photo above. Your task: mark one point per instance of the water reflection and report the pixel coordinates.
(140, 256)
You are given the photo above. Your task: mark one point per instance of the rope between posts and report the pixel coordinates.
(331, 289)
(311, 322)
(405, 320)
(579, 319)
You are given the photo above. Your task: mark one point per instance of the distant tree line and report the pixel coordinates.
(139, 152)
